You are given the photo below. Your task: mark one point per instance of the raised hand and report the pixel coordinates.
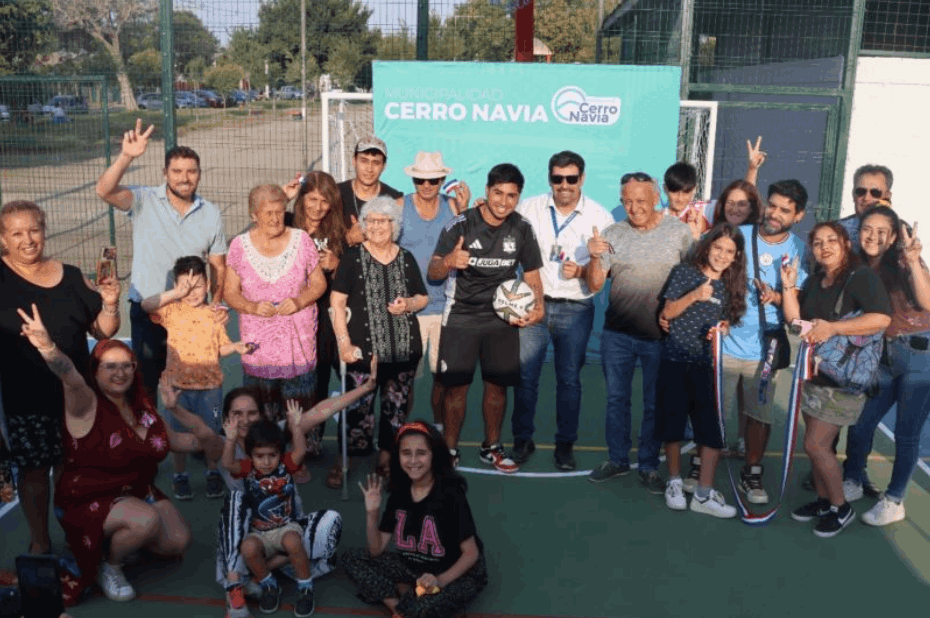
(355, 235)
(292, 188)
(398, 306)
(705, 291)
(231, 428)
(372, 492)
(328, 260)
(372, 382)
(571, 270)
(167, 392)
(755, 154)
(288, 307)
(462, 196)
(294, 411)
(789, 273)
(183, 285)
(458, 258)
(109, 290)
(34, 330)
(695, 221)
(597, 246)
(136, 140)
(912, 246)
(766, 294)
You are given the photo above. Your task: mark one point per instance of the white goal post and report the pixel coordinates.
(346, 117)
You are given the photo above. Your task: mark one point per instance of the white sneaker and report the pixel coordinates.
(886, 511)
(675, 496)
(114, 583)
(852, 490)
(713, 505)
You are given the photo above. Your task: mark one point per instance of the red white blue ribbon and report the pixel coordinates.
(802, 372)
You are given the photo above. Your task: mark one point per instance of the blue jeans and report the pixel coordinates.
(150, 345)
(619, 353)
(568, 325)
(905, 383)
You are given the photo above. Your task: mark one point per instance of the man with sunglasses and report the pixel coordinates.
(871, 185)
(637, 254)
(369, 161)
(562, 219)
(426, 213)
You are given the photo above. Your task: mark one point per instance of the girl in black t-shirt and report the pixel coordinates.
(707, 289)
(437, 566)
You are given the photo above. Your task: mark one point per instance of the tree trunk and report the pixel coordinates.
(125, 91)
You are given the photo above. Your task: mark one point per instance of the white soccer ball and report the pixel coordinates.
(513, 299)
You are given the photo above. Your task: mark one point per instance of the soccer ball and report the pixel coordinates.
(513, 299)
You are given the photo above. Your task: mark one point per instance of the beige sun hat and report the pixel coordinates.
(427, 165)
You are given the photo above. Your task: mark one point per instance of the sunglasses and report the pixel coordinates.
(861, 191)
(429, 181)
(557, 179)
(637, 176)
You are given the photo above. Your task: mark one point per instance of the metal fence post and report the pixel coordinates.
(422, 29)
(107, 149)
(170, 130)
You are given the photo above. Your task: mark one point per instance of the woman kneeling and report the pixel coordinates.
(437, 549)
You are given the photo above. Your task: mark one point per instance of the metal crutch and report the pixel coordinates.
(342, 416)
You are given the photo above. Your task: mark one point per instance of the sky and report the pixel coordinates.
(223, 16)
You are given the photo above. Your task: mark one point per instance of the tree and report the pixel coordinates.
(224, 78)
(572, 38)
(192, 40)
(329, 22)
(195, 70)
(104, 21)
(144, 69)
(25, 30)
(247, 51)
(398, 46)
(482, 31)
(293, 75)
(345, 62)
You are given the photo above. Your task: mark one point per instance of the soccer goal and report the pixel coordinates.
(347, 117)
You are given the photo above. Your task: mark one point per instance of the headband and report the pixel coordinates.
(416, 426)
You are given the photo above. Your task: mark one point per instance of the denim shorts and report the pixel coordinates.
(207, 404)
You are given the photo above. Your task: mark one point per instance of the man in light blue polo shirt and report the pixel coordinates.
(169, 221)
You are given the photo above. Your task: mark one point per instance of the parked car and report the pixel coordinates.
(4, 113)
(212, 99)
(241, 97)
(150, 101)
(70, 103)
(289, 92)
(187, 99)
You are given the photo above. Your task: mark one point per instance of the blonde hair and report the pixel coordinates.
(265, 193)
(16, 207)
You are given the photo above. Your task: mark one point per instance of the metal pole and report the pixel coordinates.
(167, 74)
(303, 76)
(687, 44)
(107, 150)
(422, 29)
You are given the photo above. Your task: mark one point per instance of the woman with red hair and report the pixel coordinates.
(114, 440)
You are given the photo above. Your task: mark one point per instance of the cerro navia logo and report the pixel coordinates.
(571, 105)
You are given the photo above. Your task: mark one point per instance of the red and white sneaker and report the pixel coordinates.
(495, 456)
(235, 603)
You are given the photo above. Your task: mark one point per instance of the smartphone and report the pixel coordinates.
(106, 265)
(801, 327)
(39, 586)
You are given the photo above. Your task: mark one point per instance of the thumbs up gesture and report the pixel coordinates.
(597, 246)
(705, 291)
(458, 257)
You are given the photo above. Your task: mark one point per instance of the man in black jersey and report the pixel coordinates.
(478, 250)
(369, 161)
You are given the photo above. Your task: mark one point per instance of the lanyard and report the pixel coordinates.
(555, 224)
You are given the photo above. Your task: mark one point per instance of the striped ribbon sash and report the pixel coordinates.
(802, 372)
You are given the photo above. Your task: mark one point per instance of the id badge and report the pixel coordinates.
(556, 253)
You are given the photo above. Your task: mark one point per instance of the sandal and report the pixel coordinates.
(334, 477)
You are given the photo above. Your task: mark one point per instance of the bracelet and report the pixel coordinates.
(49, 350)
(341, 338)
(111, 310)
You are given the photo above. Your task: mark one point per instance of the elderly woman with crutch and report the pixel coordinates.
(380, 284)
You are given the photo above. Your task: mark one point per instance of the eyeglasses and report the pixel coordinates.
(114, 367)
(861, 191)
(738, 204)
(379, 221)
(637, 176)
(429, 181)
(557, 179)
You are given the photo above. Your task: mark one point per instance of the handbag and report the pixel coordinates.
(777, 337)
(850, 362)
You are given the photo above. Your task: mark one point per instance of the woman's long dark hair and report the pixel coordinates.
(734, 277)
(850, 258)
(444, 473)
(755, 202)
(895, 278)
(138, 396)
(332, 226)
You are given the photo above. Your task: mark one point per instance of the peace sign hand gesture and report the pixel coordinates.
(34, 330)
(755, 154)
(136, 140)
(912, 246)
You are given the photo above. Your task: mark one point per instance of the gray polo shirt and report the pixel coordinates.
(638, 267)
(160, 235)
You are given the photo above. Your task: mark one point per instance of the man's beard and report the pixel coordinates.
(774, 231)
(182, 197)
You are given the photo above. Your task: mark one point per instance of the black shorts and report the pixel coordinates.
(464, 339)
(686, 389)
(35, 440)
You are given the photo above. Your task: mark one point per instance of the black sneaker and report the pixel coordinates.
(182, 487)
(270, 599)
(837, 518)
(215, 486)
(817, 508)
(750, 483)
(652, 482)
(522, 449)
(564, 458)
(305, 604)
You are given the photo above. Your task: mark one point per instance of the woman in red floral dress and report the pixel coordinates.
(113, 443)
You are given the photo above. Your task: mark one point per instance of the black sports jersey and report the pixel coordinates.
(496, 252)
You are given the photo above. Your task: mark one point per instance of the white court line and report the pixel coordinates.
(549, 475)
(890, 434)
(6, 508)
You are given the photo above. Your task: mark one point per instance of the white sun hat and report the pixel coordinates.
(427, 165)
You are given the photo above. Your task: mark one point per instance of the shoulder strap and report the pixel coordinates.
(839, 300)
(755, 267)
